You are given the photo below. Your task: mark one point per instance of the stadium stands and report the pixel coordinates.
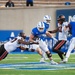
(22, 3)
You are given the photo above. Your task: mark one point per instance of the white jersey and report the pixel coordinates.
(12, 45)
(63, 34)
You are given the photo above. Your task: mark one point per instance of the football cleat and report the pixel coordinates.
(53, 62)
(42, 60)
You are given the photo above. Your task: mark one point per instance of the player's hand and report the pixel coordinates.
(35, 43)
(50, 31)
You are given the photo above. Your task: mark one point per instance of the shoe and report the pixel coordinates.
(46, 58)
(42, 60)
(53, 62)
(61, 62)
(65, 60)
(64, 54)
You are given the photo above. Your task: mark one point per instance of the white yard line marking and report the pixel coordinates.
(37, 66)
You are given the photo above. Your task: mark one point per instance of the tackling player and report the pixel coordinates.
(10, 46)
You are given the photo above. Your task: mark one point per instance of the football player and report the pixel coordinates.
(12, 45)
(46, 21)
(72, 42)
(36, 34)
(62, 35)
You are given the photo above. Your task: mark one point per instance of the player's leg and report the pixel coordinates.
(44, 47)
(44, 55)
(40, 53)
(71, 47)
(57, 48)
(36, 48)
(3, 52)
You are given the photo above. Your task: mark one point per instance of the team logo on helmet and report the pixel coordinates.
(40, 26)
(47, 19)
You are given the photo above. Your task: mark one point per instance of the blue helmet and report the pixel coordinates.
(40, 26)
(47, 19)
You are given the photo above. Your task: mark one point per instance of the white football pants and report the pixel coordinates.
(71, 47)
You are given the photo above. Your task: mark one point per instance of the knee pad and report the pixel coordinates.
(49, 55)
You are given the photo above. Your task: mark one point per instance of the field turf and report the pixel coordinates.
(16, 60)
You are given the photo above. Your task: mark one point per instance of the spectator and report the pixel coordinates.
(9, 4)
(29, 2)
(67, 3)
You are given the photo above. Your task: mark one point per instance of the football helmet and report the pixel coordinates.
(47, 19)
(22, 34)
(40, 26)
(61, 18)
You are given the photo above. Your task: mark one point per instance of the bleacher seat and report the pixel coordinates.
(22, 3)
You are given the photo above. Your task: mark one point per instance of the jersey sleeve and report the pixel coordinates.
(19, 38)
(33, 32)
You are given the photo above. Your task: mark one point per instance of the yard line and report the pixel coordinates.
(17, 57)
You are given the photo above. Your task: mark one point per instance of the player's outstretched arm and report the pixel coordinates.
(49, 35)
(27, 42)
(54, 31)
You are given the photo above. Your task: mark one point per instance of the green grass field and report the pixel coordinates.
(21, 58)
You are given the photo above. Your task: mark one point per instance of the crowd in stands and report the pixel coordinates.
(22, 3)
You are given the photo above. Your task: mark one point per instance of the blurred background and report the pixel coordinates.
(23, 17)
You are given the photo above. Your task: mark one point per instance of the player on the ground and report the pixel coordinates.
(72, 42)
(62, 35)
(36, 34)
(11, 45)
